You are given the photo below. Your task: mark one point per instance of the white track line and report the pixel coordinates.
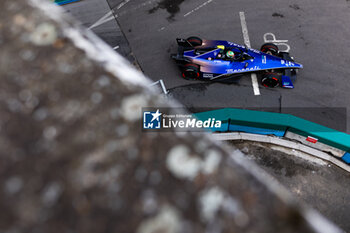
(197, 8)
(191, 12)
(247, 42)
(276, 42)
(122, 4)
(109, 16)
(255, 84)
(104, 19)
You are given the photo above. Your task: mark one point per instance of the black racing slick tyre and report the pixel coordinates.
(271, 80)
(269, 48)
(191, 71)
(195, 41)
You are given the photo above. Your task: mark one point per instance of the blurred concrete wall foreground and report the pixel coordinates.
(73, 157)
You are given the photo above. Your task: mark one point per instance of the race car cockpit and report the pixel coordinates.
(232, 54)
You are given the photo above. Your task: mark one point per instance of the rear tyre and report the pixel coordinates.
(195, 41)
(191, 71)
(269, 48)
(271, 80)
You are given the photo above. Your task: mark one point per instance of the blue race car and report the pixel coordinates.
(218, 60)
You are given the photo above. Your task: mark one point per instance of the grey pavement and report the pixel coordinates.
(320, 185)
(88, 12)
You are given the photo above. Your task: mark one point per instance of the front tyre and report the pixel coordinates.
(191, 71)
(271, 80)
(269, 48)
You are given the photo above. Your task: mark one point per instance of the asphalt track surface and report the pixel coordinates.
(317, 33)
(94, 14)
(316, 183)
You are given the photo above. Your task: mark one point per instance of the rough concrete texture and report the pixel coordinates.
(73, 157)
(318, 183)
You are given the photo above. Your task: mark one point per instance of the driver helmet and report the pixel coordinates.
(230, 54)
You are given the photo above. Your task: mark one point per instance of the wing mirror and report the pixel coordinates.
(246, 56)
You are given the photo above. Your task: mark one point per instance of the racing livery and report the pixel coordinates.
(221, 60)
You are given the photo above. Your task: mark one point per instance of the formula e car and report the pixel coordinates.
(218, 60)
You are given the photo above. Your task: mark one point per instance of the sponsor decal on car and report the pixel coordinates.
(234, 44)
(242, 70)
(254, 50)
(287, 63)
(208, 75)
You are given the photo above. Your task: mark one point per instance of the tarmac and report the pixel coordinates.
(316, 183)
(316, 33)
(97, 16)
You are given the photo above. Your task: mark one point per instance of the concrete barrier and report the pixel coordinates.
(283, 125)
(317, 154)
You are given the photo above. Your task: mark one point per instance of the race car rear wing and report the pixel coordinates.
(183, 43)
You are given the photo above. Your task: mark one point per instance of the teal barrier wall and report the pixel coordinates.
(62, 2)
(277, 124)
(256, 130)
